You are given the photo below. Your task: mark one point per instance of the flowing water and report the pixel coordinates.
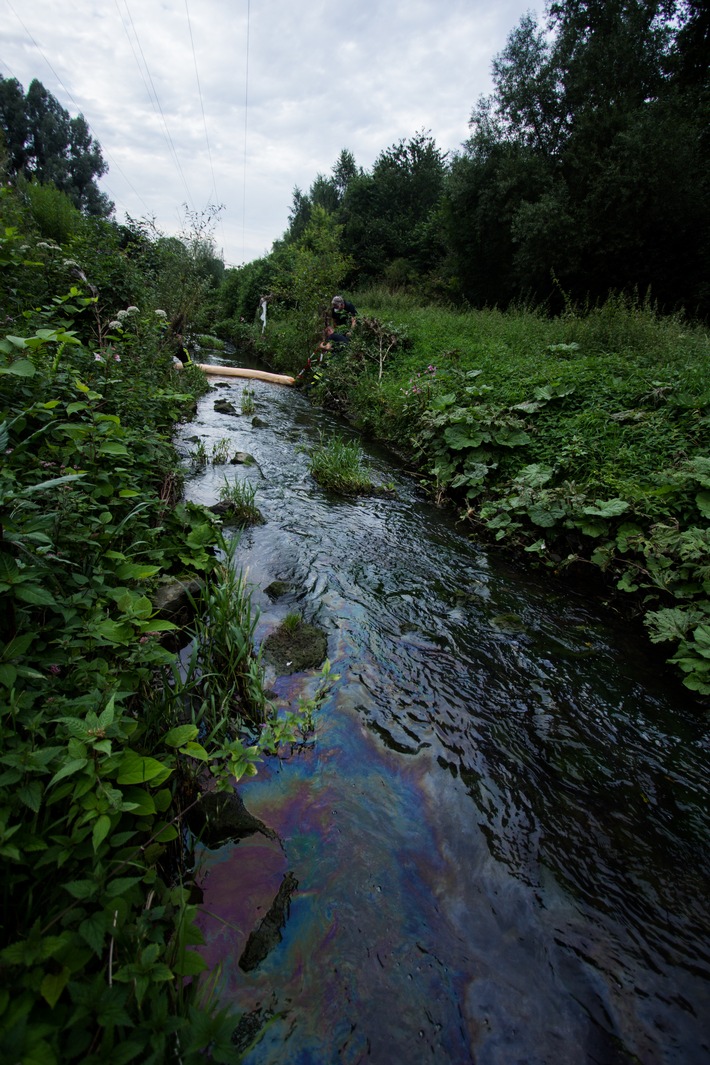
(497, 849)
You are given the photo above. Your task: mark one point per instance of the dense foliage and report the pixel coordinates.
(106, 738)
(44, 144)
(586, 172)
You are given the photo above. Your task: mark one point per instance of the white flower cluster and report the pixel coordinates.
(161, 314)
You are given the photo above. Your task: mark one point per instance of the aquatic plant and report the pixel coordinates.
(292, 621)
(198, 457)
(207, 341)
(220, 452)
(239, 496)
(338, 465)
(247, 402)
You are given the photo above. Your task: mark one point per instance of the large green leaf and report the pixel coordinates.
(139, 769)
(607, 508)
(19, 368)
(459, 437)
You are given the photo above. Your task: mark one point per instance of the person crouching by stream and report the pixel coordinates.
(343, 314)
(332, 342)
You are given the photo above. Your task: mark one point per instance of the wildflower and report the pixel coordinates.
(114, 324)
(97, 357)
(55, 670)
(160, 313)
(116, 357)
(69, 263)
(131, 310)
(121, 315)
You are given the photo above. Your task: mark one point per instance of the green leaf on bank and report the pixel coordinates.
(139, 769)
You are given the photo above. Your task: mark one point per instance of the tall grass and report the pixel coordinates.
(240, 497)
(338, 465)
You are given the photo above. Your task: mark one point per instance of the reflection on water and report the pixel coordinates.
(500, 840)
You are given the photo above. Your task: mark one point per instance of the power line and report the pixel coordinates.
(204, 118)
(246, 113)
(202, 106)
(153, 98)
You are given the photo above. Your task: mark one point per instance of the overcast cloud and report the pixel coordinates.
(196, 125)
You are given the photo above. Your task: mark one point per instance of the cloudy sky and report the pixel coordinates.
(235, 102)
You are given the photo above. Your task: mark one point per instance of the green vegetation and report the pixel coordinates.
(239, 496)
(206, 341)
(580, 439)
(291, 622)
(221, 451)
(106, 740)
(247, 401)
(337, 464)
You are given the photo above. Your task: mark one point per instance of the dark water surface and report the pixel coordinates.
(500, 839)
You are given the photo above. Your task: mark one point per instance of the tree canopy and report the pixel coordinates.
(586, 171)
(45, 144)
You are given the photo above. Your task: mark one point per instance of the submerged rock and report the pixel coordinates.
(277, 589)
(177, 601)
(293, 649)
(220, 817)
(268, 935)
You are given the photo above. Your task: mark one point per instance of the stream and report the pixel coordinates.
(496, 851)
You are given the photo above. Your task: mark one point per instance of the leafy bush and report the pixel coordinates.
(104, 739)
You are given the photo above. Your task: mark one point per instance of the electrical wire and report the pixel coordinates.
(154, 99)
(155, 102)
(202, 105)
(204, 118)
(246, 114)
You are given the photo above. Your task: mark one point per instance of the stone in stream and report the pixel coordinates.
(176, 601)
(277, 589)
(220, 817)
(293, 648)
(268, 934)
(223, 406)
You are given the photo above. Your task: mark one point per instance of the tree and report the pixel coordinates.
(385, 213)
(311, 272)
(345, 170)
(46, 145)
(589, 162)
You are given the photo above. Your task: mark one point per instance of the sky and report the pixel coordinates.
(200, 103)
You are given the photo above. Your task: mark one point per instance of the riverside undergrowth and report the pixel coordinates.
(105, 739)
(581, 440)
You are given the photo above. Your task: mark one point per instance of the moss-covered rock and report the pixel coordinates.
(293, 648)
